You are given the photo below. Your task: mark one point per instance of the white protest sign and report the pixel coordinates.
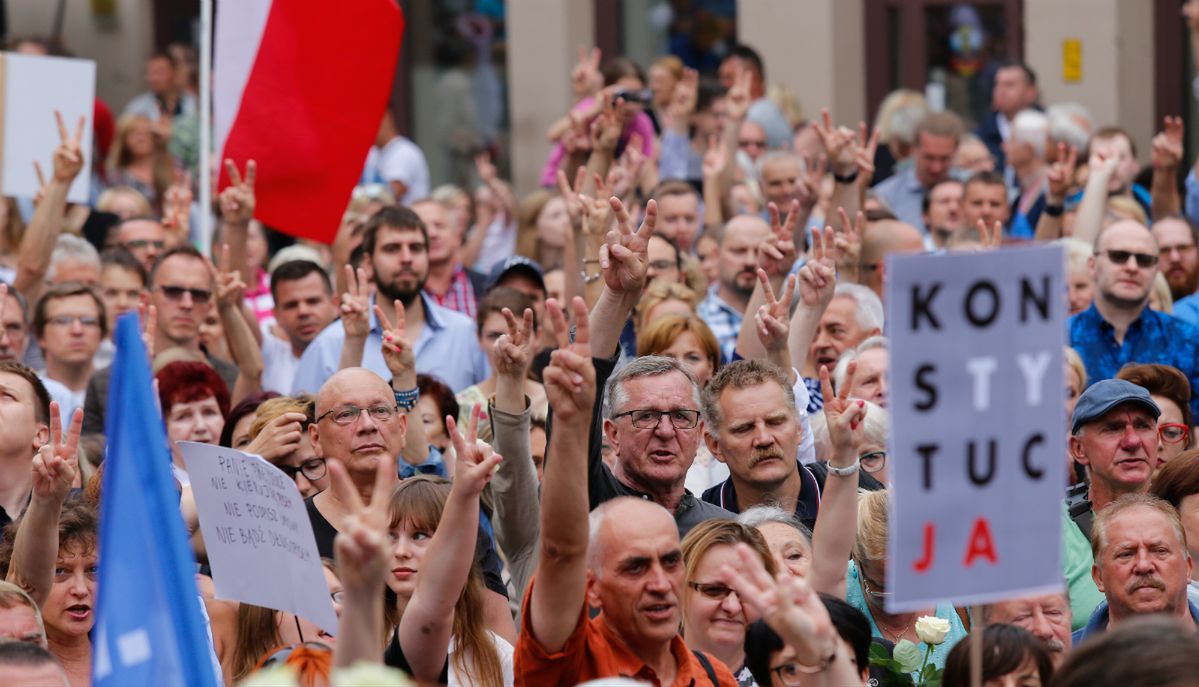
(977, 425)
(257, 532)
(33, 88)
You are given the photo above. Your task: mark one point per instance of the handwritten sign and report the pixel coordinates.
(977, 425)
(33, 88)
(259, 539)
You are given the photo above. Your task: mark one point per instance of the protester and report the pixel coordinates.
(30, 665)
(1171, 391)
(1011, 655)
(1149, 650)
(1176, 483)
(20, 617)
(194, 403)
(279, 433)
(1047, 617)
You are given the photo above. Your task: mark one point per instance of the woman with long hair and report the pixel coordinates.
(139, 159)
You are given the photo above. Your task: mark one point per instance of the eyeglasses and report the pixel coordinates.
(175, 293)
(791, 674)
(681, 418)
(873, 461)
(746, 143)
(1182, 249)
(1120, 257)
(68, 320)
(1172, 432)
(138, 244)
(312, 469)
(713, 590)
(347, 415)
(338, 596)
(873, 589)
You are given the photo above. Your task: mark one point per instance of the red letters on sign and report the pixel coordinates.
(982, 544)
(930, 539)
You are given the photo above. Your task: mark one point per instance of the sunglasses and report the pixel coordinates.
(1120, 257)
(175, 293)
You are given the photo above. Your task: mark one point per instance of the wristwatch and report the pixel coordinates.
(845, 471)
(846, 178)
(407, 399)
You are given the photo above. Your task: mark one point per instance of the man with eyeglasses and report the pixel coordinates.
(1176, 244)
(69, 322)
(1120, 327)
(181, 291)
(145, 237)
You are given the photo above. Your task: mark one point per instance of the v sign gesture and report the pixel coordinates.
(55, 464)
(624, 256)
(570, 377)
(237, 200)
(397, 349)
(68, 156)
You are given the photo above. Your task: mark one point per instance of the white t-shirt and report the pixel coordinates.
(279, 364)
(402, 160)
(506, 652)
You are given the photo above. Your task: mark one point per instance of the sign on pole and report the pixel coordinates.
(259, 539)
(33, 88)
(977, 425)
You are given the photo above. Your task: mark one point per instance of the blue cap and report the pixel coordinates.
(515, 263)
(1104, 395)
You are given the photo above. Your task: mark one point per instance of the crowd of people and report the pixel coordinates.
(630, 427)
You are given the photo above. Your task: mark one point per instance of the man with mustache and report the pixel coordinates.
(753, 427)
(396, 243)
(1141, 564)
(738, 263)
(1047, 617)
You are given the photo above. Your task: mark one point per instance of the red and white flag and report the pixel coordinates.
(300, 86)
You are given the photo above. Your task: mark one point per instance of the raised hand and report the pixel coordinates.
(818, 276)
(68, 156)
(607, 127)
(361, 548)
(355, 303)
(624, 255)
(585, 77)
(573, 196)
(738, 100)
(777, 254)
(1167, 151)
(773, 318)
(848, 244)
(230, 289)
(846, 429)
(683, 99)
(788, 604)
(237, 200)
(865, 155)
(623, 175)
(838, 142)
(810, 178)
(515, 350)
(570, 377)
(398, 352)
(716, 158)
(485, 168)
(992, 238)
(177, 204)
(475, 462)
(55, 463)
(597, 211)
(1061, 173)
(279, 438)
(1102, 164)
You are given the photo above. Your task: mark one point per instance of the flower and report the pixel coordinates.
(931, 630)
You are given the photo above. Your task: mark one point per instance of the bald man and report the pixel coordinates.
(1120, 327)
(886, 237)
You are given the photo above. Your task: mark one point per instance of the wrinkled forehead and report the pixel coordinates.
(355, 386)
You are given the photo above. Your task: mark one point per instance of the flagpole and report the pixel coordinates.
(204, 239)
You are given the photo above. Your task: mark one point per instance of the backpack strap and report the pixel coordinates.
(703, 661)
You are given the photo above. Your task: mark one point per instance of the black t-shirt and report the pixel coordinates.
(393, 656)
(484, 549)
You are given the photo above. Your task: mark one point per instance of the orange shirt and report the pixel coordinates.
(594, 651)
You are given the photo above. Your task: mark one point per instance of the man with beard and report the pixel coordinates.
(942, 212)
(1180, 263)
(1119, 327)
(738, 263)
(395, 245)
(1141, 564)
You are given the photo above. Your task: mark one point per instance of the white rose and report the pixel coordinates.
(931, 630)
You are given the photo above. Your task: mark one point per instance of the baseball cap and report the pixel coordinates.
(1104, 395)
(516, 263)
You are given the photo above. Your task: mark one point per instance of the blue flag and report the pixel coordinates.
(149, 629)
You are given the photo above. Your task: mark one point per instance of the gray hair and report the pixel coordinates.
(869, 314)
(761, 515)
(72, 247)
(904, 121)
(12, 596)
(1070, 123)
(740, 375)
(1078, 252)
(875, 428)
(841, 370)
(1031, 127)
(644, 366)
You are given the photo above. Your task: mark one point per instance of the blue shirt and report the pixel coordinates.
(723, 319)
(1153, 337)
(1097, 625)
(1187, 309)
(447, 348)
(904, 195)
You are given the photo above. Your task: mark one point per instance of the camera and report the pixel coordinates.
(641, 97)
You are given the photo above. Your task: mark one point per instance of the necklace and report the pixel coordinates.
(889, 629)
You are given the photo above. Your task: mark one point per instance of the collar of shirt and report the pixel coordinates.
(630, 665)
(1091, 316)
(806, 507)
(718, 302)
(430, 308)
